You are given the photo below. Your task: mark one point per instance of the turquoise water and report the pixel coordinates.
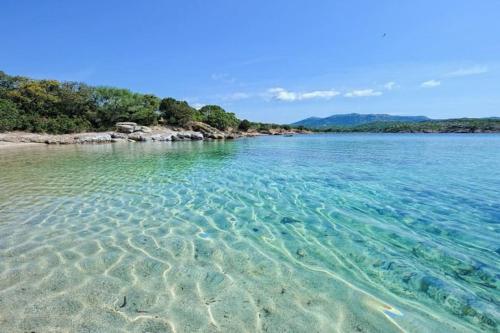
(319, 233)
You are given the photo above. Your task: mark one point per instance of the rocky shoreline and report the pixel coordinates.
(131, 132)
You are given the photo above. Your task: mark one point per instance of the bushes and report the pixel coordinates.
(67, 107)
(55, 125)
(244, 125)
(176, 112)
(217, 117)
(9, 116)
(114, 105)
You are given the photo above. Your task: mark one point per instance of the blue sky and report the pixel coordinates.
(277, 61)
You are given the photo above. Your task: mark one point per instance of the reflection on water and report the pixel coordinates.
(347, 233)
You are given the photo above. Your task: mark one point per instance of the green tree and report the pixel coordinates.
(114, 105)
(244, 125)
(177, 113)
(217, 117)
(9, 116)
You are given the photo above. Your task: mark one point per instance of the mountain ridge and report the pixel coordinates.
(350, 119)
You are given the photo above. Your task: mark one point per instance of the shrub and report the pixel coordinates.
(10, 116)
(217, 117)
(175, 112)
(244, 125)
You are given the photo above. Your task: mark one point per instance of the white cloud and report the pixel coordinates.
(430, 84)
(390, 85)
(363, 93)
(475, 70)
(282, 94)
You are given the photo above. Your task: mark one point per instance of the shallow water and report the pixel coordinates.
(319, 233)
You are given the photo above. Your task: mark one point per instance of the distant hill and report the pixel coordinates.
(353, 119)
(461, 125)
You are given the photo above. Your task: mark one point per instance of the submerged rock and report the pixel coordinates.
(289, 220)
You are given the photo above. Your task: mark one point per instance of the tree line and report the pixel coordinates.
(51, 106)
(460, 125)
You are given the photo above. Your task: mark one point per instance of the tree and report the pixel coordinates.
(175, 112)
(9, 116)
(244, 125)
(217, 117)
(114, 105)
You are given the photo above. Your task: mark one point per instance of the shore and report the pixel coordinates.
(6, 144)
(134, 133)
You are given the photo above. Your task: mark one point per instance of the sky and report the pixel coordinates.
(271, 61)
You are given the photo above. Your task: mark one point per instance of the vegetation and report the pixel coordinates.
(462, 125)
(66, 107)
(217, 117)
(55, 107)
(177, 113)
(244, 125)
(354, 119)
(9, 116)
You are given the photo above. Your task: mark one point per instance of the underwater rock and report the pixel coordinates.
(289, 220)
(429, 282)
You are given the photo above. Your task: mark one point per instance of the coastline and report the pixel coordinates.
(8, 145)
(194, 132)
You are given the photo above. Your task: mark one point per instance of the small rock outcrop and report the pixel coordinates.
(130, 127)
(207, 130)
(125, 127)
(138, 136)
(162, 137)
(96, 138)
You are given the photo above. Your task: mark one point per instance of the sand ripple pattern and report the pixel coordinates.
(334, 233)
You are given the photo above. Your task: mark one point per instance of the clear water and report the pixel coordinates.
(320, 233)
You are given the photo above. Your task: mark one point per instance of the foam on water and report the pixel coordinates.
(323, 233)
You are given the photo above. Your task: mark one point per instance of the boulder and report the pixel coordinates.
(162, 137)
(143, 129)
(130, 127)
(118, 140)
(95, 138)
(126, 127)
(196, 136)
(207, 130)
(138, 136)
(216, 136)
(184, 135)
(116, 135)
